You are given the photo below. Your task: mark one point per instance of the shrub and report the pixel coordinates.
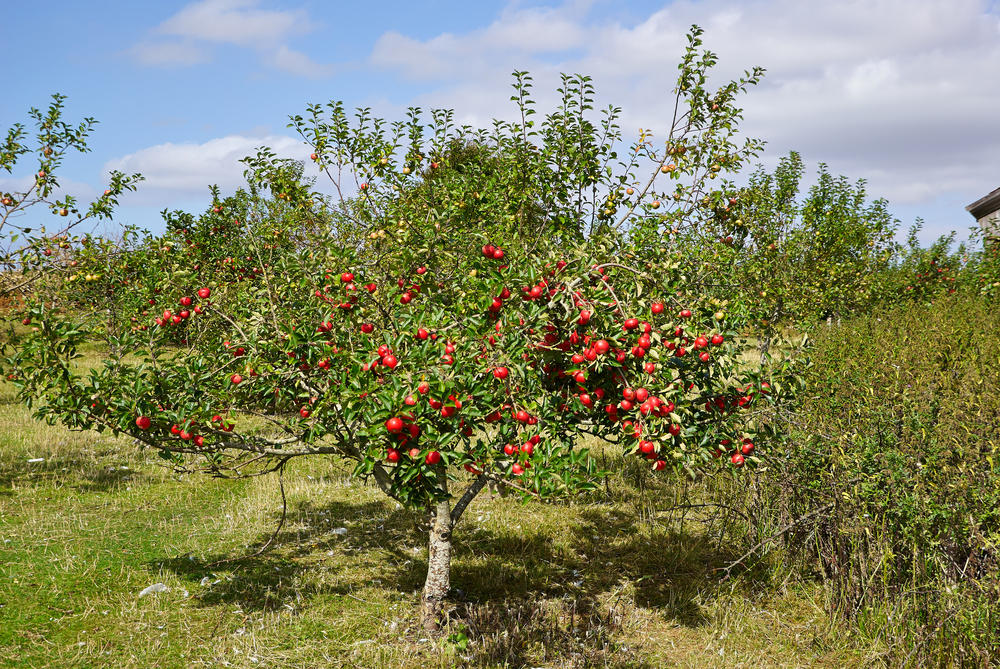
(988, 268)
(896, 478)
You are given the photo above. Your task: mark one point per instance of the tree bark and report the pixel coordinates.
(438, 581)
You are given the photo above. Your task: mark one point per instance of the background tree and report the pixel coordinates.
(923, 274)
(798, 261)
(27, 246)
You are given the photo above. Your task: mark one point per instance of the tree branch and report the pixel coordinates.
(469, 494)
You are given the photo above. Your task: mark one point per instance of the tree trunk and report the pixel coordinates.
(765, 342)
(438, 581)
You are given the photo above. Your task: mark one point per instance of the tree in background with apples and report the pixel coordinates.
(30, 250)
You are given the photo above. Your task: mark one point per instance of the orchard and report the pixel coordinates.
(464, 308)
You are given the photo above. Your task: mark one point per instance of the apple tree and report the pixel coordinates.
(925, 274)
(989, 267)
(800, 260)
(460, 307)
(29, 249)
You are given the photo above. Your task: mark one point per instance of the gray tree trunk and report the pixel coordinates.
(438, 581)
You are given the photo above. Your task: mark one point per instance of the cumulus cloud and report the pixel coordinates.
(182, 39)
(903, 93)
(183, 171)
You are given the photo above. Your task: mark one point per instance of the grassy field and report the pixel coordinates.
(88, 521)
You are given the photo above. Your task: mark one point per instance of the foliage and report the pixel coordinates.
(803, 260)
(407, 256)
(988, 268)
(897, 468)
(925, 274)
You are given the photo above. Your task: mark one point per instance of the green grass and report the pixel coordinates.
(612, 581)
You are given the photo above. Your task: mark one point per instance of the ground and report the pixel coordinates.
(87, 521)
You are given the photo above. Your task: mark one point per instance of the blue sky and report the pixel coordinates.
(904, 93)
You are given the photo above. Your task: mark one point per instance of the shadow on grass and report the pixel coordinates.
(268, 581)
(667, 571)
(86, 473)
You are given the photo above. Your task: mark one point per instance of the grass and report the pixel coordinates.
(612, 581)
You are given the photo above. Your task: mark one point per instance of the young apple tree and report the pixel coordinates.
(802, 259)
(461, 310)
(30, 250)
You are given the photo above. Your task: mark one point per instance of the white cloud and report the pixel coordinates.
(240, 23)
(904, 93)
(234, 22)
(516, 33)
(180, 172)
(871, 76)
(299, 64)
(169, 53)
